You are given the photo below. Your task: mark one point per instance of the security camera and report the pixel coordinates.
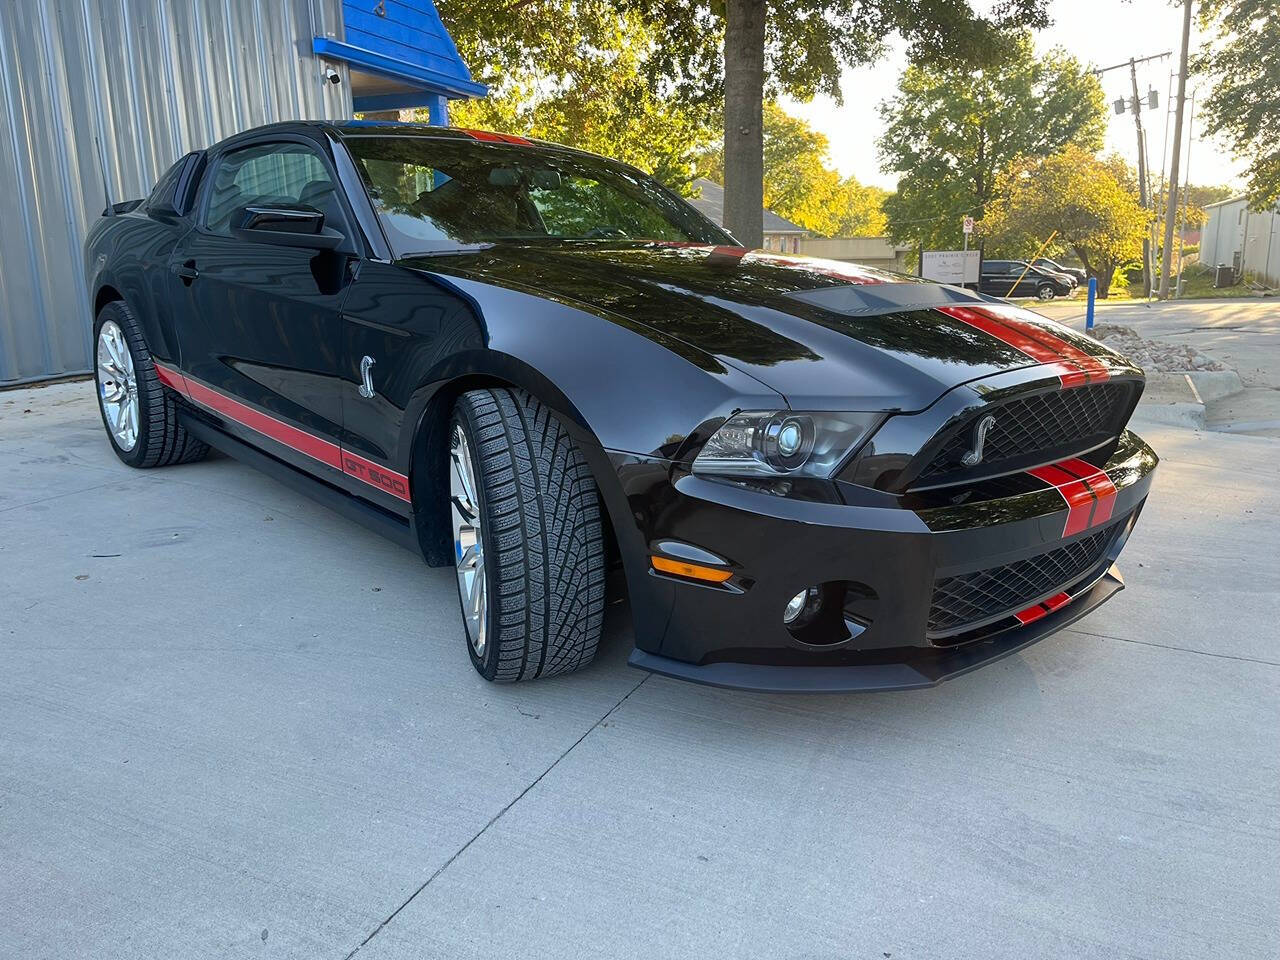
(332, 75)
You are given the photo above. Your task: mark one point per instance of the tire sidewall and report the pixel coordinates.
(144, 372)
(486, 665)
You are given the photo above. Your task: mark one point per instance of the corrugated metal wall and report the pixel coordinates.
(1236, 235)
(99, 97)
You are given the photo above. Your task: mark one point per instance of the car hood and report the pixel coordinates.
(822, 333)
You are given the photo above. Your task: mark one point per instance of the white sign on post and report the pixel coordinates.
(968, 224)
(951, 266)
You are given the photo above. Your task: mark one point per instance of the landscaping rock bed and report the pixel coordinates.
(1154, 356)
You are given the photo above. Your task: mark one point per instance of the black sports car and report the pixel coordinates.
(535, 365)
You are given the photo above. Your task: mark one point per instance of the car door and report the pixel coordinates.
(259, 323)
(993, 271)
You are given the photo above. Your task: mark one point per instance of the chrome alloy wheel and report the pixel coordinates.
(117, 385)
(468, 542)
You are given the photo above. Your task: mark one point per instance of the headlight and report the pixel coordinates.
(773, 443)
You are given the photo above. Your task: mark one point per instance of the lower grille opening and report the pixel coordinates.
(970, 599)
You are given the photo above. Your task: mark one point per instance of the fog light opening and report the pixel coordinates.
(801, 608)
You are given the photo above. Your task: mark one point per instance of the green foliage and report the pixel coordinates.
(572, 73)
(1243, 108)
(1077, 194)
(953, 129)
(808, 41)
(800, 186)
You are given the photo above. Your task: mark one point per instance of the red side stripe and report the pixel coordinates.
(374, 474)
(170, 377)
(330, 454)
(305, 443)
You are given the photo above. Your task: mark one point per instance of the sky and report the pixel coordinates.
(1099, 33)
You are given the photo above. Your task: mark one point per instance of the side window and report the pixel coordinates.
(163, 197)
(280, 174)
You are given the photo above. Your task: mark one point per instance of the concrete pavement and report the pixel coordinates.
(1245, 334)
(233, 724)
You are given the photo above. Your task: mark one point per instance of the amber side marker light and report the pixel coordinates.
(691, 570)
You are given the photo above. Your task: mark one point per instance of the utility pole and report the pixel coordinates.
(1166, 263)
(1186, 190)
(1135, 105)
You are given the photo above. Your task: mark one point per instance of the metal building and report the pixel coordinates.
(1244, 239)
(99, 96)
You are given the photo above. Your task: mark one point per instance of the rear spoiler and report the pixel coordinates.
(124, 206)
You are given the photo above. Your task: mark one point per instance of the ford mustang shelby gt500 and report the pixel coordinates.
(534, 364)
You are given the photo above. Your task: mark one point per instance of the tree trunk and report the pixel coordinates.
(744, 121)
(1105, 275)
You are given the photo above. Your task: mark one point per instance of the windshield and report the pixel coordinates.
(438, 194)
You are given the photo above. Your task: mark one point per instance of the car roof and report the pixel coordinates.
(343, 129)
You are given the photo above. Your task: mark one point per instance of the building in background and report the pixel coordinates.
(783, 236)
(780, 234)
(1243, 239)
(99, 97)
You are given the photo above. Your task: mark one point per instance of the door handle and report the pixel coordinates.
(187, 271)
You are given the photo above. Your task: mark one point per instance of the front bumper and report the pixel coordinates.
(883, 561)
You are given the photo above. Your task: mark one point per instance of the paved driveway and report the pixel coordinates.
(1245, 334)
(233, 724)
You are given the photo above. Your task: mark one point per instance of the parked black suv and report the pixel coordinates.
(1000, 278)
(1075, 273)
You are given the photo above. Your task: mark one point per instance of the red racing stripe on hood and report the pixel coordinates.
(1073, 366)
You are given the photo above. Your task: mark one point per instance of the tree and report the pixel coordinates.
(952, 129)
(737, 52)
(1243, 108)
(800, 186)
(1077, 194)
(582, 85)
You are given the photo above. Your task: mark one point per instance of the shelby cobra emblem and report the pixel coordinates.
(974, 456)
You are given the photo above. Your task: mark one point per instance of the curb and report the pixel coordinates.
(1190, 415)
(1205, 385)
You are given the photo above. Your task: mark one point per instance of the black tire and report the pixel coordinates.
(544, 548)
(1046, 292)
(161, 440)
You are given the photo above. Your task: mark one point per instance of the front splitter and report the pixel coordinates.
(927, 671)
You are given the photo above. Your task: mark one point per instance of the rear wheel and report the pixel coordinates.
(140, 416)
(527, 539)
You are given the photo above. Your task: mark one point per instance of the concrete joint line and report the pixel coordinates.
(498, 816)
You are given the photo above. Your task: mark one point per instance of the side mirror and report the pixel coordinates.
(299, 226)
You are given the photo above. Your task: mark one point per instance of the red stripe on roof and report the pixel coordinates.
(489, 137)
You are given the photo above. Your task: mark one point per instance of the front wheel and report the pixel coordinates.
(1045, 292)
(527, 538)
(140, 417)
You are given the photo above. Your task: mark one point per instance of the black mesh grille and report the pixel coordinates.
(984, 594)
(1051, 421)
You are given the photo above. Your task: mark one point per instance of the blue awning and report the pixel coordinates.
(399, 55)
